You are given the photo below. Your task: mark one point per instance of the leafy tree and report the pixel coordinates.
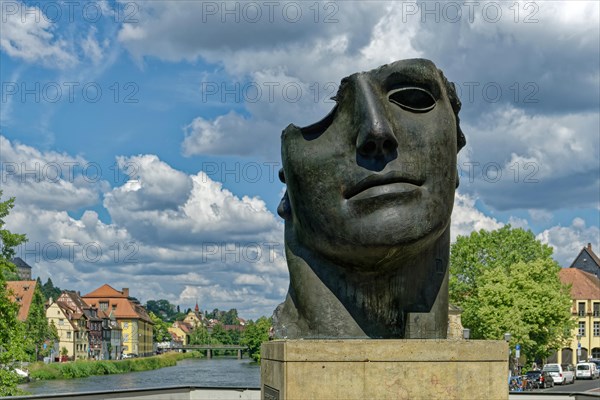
(234, 336)
(163, 309)
(215, 314)
(255, 334)
(507, 281)
(230, 317)
(219, 335)
(12, 331)
(160, 330)
(200, 335)
(38, 329)
(49, 290)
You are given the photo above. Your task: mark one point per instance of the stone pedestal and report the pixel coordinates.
(384, 369)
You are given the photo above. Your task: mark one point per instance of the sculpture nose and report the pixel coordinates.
(376, 139)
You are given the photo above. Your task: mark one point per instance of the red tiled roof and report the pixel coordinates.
(106, 291)
(124, 308)
(22, 293)
(585, 285)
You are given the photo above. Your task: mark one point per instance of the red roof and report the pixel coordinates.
(106, 291)
(21, 292)
(123, 307)
(585, 285)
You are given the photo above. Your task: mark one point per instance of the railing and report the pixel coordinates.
(173, 393)
(210, 347)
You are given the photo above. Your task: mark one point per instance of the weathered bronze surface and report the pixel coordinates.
(370, 190)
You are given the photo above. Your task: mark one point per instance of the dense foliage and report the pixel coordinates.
(12, 331)
(255, 334)
(49, 290)
(160, 330)
(507, 281)
(37, 327)
(225, 317)
(164, 310)
(81, 369)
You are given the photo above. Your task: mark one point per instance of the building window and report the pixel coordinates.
(69, 335)
(582, 328)
(596, 309)
(596, 328)
(61, 322)
(104, 305)
(581, 309)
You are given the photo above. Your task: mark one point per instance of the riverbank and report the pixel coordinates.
(83, 369)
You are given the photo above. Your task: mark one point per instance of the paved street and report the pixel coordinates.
(579, 386)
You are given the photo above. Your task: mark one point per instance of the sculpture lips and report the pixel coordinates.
(392, 182)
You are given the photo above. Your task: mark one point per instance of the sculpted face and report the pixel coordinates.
(374, 181)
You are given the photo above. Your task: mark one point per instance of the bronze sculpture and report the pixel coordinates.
(370, 191)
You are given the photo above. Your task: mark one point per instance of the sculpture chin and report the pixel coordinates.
(374, 234)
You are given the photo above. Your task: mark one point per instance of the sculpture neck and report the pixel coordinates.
(329, 300)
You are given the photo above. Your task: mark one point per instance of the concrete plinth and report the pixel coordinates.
(384, 369)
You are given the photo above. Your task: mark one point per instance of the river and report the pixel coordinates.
(218, 371)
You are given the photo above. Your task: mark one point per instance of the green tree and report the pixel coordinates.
(38, 329)
(219, 335)
(163, 309)
(49, 290)
(160, 330)
(234, 336)
(230, 317)
(254, 335)
(507, 281)
(200, 336)
(12, 331)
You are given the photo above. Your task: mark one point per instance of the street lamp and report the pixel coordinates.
(507, 337)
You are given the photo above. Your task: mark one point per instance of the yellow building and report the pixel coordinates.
(585, 292)
(133, 319)
(182, 331)
(72, 334)
(195, 318)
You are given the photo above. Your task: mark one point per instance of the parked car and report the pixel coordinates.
(559, 375)
(541, 379)
(569, 369)
(129, 355)
(587, 370)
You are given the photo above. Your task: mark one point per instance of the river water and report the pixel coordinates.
(218, 371)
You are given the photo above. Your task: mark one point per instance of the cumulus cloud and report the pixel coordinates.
(516, 158)
(27, 34)
(466, 218)
(164, 223)
(48, 180)
(568, 241)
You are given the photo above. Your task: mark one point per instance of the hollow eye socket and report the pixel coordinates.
(413, 99)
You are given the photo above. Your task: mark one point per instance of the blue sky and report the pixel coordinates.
(141, 139)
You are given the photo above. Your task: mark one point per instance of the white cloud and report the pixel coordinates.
(48, 180)
(466, 218)
(29, 35)
(568, 241)
(516, 158)
(165, 223)
(93, 50)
